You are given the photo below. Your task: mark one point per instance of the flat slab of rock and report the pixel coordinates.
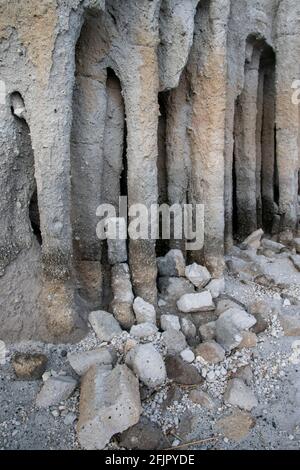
(174, 341)
(109, 404)
(238, 394)
(105, 325)
(191, 303)
(29, 366)
(211, 352)
(55, 390)
(198, 275)
(144, 312)
(82, 361)
(172, 264)
(181, 372)
(148, 364)
(229, 326)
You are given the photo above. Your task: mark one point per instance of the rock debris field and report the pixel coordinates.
(215, 366)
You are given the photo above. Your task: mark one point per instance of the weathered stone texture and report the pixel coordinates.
(173, 101)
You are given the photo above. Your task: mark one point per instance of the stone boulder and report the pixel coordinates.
(109, 404)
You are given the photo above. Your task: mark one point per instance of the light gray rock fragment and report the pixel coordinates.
(55, 390)
(238, 394)
(82, 361)
(147, 364)
(105, 325)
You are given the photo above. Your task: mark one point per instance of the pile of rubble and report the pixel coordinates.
(149, 366)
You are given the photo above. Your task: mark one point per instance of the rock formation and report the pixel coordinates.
(162, 101)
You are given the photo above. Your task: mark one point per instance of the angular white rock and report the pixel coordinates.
(197, 275)
(201, 301)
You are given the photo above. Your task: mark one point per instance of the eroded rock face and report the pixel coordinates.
(203, 112)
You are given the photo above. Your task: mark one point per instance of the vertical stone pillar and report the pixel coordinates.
(208, 81)
(89, 115)
(268, 149)
(287, 112)
(113, 143)
(245, 149)
(140, 85)
(178, 148)
(259, 150)
(229, 148)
